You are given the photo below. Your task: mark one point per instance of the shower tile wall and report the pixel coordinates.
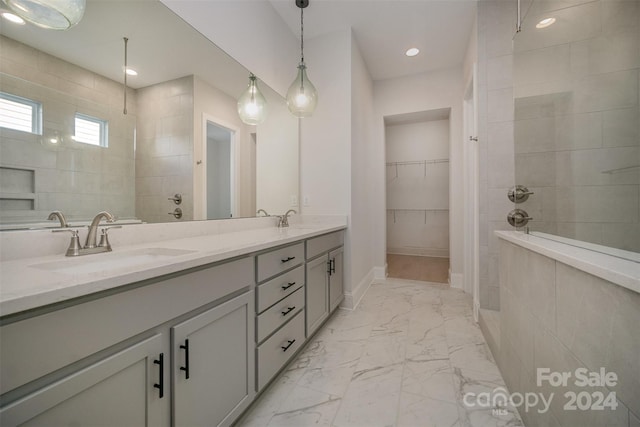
(556, 317)
(164, 150)
(496, 24)
(577, 128)
(77, 179)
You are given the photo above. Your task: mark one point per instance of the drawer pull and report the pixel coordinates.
(185, 368)
(289, 284)
(160, 386)
(288, 259)
(285, 348)
(289, 310)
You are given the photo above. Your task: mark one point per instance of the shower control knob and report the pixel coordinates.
(519, 194)
(177, 213)
(518, 218)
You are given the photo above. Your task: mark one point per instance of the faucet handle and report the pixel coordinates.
(74, 244)
(104, 237)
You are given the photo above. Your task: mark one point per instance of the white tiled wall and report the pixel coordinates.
(496, 24)
(76, 178)
(577, 117)
(557, 317)
(164, 147)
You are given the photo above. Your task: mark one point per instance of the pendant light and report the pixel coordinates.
(302, 96)
(252, 106)
(49, 14)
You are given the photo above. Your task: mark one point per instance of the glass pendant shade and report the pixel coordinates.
(302, 96)
(49, 14)
(252, 105)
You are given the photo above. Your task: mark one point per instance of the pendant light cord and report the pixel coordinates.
(302, 34)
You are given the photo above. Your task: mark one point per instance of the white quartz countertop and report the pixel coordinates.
(623, 272)
(35, 282)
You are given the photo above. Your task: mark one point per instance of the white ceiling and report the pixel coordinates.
(385, 29)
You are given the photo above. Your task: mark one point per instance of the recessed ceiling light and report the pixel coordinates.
(412, 52)
(131, 72)
(13, 18)
(545, 22)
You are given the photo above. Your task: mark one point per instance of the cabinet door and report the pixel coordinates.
(336, 277)
(117, 391)
(317, 293)
(213, 364)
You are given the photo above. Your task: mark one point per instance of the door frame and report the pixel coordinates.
(200, 193)
(471, 220)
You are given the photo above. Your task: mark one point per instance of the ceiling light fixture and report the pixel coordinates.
(545, 23)
(49, 14)
(412, 52)
(252, 106)
(302, 96)
(131, 72)
(13, 18)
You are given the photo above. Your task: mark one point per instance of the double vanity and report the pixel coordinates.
(184, 331)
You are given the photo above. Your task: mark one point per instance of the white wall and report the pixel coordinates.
(363, 191)
(251, 32)
(423, 92)
(277, 159)
(221, 108)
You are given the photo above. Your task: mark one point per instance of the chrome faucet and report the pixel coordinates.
(284, 219)
(263, 211)
(91, 241)
(90, 246)
(60, 216)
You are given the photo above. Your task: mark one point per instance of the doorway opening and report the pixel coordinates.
(219, 189)
(417, 193)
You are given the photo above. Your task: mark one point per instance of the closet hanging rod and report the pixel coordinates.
(418, 162)
(417, 210)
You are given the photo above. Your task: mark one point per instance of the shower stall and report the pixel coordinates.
(563, 81)
(577, 123)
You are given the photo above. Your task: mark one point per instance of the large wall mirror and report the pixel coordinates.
(79, 153)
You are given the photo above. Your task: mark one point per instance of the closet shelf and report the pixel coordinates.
(425, 211)
(418, 162)
(422, 163)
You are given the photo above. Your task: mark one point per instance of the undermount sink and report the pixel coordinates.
(112, 260)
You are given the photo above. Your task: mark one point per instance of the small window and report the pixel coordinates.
(90, 130)
(20, 113)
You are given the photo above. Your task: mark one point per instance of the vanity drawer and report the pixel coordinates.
(325, 243)
(275, 262)
(274, 290)
(271, 319)
(278, 349)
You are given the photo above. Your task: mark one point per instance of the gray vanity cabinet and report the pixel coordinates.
(324, 278)
(90, 395)
(317, 292)
(106, 361)
(213, 364)
(336, 278)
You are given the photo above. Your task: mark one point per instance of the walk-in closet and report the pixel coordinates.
(417, 194)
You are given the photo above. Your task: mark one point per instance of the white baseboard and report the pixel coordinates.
(380, 273)
(456, 280)
(428, 252)
(352, 299)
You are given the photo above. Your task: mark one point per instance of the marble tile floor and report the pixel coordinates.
(405, 357)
